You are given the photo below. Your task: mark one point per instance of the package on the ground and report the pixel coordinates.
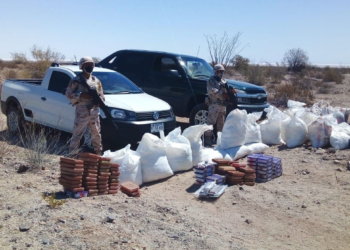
(266, 167)
(225, 169)
(210, 190)
(203, 170)
(216, 178)
(130, 189)
(221, 161)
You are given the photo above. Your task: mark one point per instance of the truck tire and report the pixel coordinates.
(15, 120)
(199, 114)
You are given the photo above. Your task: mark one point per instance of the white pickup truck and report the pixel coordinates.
(43, 101)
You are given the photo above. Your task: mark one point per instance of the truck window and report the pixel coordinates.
(164, 64)
(59, 82)
(134, 66)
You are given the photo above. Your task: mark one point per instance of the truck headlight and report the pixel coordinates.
(118, 114)
(123, 114)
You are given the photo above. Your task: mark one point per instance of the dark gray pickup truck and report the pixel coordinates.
(180, 80)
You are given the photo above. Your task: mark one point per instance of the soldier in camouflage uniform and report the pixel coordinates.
(217, 100)
(86, 112)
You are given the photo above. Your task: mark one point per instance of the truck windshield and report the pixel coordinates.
(196, 67)
(114, 83)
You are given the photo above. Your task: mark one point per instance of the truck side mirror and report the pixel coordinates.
(174, 73)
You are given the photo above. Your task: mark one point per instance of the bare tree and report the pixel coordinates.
(296, 59)
(43, 59)
(223, 50)
(19, 57)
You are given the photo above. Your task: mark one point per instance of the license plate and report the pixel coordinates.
(156, 127)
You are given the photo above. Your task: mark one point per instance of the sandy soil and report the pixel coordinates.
(306, 208)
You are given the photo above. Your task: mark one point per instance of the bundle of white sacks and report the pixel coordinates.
(158, 158)
(322, 124)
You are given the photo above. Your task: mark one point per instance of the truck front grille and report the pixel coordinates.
(149, 115)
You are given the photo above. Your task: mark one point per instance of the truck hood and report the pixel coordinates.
(248, 87)
(136, 102)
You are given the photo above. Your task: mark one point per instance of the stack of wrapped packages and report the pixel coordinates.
(90, 172)
(202, 171)
(104, 174)
(267, 167)
(114, 178)
(130, 189)
(71, 174)
(276, 167)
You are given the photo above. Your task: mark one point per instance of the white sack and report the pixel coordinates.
(296, 132)
(238, 152)
(272, 128)
(178, 151)
(256, 148)
(340, 136)
(253, 133)
(308, 117)
(193, 134)
(294, 104)
(209, 153)
(233, 133)
(339, 116)
(130, 165)
(319, 132)
(154, 163)
(339, 140)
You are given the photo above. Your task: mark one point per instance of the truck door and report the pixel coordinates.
(167, 82)
(60, 113)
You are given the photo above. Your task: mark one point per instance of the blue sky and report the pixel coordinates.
(99, 28)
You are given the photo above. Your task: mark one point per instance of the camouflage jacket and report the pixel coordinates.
(75, 88)
(216, 88)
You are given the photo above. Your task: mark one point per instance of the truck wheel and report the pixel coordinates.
(15, 120)
(199, 114)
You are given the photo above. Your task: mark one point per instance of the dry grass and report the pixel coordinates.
(42, 142)
(298, 89)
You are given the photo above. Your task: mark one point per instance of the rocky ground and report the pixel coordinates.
(306, 208)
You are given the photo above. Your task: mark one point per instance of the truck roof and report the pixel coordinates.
(156, 52)
(75, 68)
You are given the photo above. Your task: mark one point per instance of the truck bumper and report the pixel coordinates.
(130, 131)
(249, 108)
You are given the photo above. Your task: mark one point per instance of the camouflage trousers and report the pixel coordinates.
(216, 115)
(85, 118)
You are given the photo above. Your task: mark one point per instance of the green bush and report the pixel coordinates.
(299, 89)
(240, 63)
(255, 75)
(332, 75)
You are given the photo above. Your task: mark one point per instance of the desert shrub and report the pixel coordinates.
(10, 65)
(19, 58)
(41, 143)
(319, 75)
(240, 63)
(299, 89)
(325, 88)
(25, 73)
(275, 73)
(255, 75)
(332, 75)
(6, 146)
(10, 74)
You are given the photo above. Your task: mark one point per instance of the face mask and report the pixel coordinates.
(220, 75)
(88, 69)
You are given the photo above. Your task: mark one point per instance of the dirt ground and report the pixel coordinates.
(308, 207)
